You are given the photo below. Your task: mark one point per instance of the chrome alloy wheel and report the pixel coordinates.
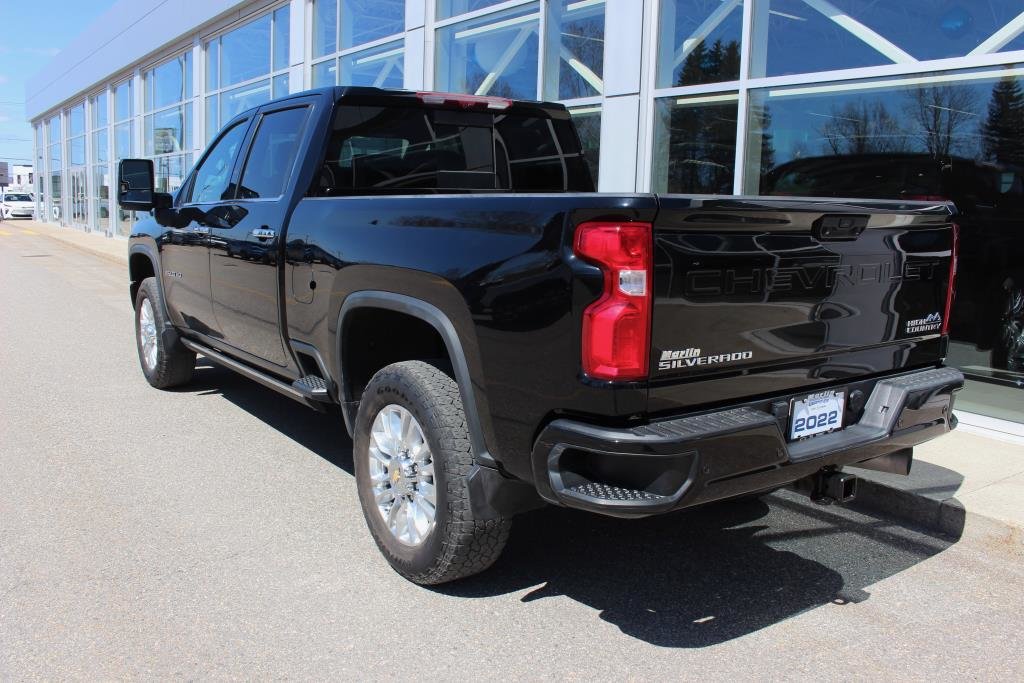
(147, 334)
(402, 475)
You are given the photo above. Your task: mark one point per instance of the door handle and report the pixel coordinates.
(200, 229)
(263, 233)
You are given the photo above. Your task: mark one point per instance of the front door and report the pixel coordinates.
(185, 244)
(78, 212)
(246, 250)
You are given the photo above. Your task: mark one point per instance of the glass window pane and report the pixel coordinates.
(123, 101)
(695, 144)
(53, 130)
(491, 55)
(123, 140)
(588, 125)
(325, 27)
(325, 73)
(214, 173)
(575, 65)
(281, 87)
(281, 45)
(866, 33)
(362, 22)
(449, 8)
(381, 67)
(922, 138)
(234, 102)
(101, 196)
(99, 146)
(168, 131)
(245, 52)
(99, 110)
(212, 117)
(76, 151)
(169, 83)
(170, 171)
(213, 64)
(699, 41)
(76, 120)
(273, 154)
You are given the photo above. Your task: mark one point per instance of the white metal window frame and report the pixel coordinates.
(201, 87)
(312, 62)
(754, 23)
(141, 93)
(93, 190)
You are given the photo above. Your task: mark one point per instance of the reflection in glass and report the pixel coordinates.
(380, 67)
(449, 8)
(491, 55)
(280, 85)
(281, 45)
(588, 124)
(99, 110)
(325, 73)
(325, 27)
(233, 102)
(272, 154)
(169, 83)
(695, 144)
(53, 130)
(123, 140)
(575, 62)
(168, 131)
(123, 101)
(245, 52)
(76, 120)
(76, 151)
(844, 34)
(958, 138)
(170, 171)
(699, 41)
(363, 21)
(212, 116)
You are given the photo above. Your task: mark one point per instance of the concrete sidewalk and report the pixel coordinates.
(960, 483)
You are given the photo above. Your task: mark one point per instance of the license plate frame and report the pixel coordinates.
(828, 406)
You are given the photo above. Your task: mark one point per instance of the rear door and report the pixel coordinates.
(245, 247)
(755, 296)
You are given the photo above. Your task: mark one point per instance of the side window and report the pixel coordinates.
(272, 153)
(213, 175)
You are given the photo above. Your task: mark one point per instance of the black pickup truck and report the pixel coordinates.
(497, 335)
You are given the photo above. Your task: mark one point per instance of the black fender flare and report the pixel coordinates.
(437, 319)
(169, 334)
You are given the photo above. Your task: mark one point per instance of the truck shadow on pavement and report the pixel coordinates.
(689, 579)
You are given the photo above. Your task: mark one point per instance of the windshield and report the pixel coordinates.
(17, 198)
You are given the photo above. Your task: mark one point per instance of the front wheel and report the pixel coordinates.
(165, 362)
(413, 459)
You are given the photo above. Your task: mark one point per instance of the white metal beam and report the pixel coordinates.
(585, 72)
(702, 31)
(998, 40)
(868, 36)
(506, 58)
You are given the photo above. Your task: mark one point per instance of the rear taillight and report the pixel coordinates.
(617, 327)
(954, 253)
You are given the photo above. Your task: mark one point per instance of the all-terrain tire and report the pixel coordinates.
(459, 545)
(172, 364)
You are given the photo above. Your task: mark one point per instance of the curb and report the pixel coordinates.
(945, 516)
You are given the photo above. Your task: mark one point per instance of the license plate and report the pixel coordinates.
(816, 414)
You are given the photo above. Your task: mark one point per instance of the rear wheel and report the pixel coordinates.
(165, 362)
(413, 459)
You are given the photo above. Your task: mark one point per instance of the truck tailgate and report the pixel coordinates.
(754, 296)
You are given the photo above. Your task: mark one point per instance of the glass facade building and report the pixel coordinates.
(918, 99)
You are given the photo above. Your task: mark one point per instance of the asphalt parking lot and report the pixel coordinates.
(214, 532)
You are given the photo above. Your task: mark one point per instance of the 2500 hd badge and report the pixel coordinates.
(688, 358)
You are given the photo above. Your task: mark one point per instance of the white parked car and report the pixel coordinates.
(17, 205)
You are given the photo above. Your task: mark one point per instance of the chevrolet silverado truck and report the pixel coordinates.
(496, 335)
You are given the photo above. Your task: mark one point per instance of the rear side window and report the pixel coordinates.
(272, 154)
(405, 150)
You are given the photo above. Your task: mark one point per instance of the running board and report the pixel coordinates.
(253, 374)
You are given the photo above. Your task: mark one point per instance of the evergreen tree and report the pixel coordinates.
(1003, 130)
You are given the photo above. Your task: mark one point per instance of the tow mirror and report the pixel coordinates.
(136, 191)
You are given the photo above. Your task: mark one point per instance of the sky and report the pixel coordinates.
(34, 31)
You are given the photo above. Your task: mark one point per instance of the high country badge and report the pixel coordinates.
(930, 323)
